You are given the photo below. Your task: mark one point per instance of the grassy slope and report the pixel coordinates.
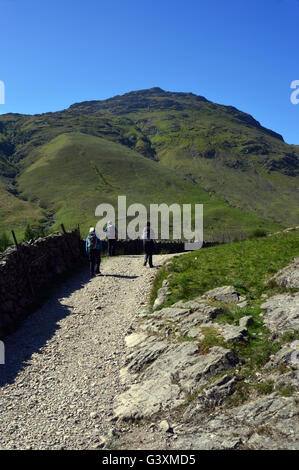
(217, 153)
(75, 172)
(16, 214)
(246, 265)
(219, 149)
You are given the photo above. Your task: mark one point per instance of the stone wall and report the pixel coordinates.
(27, 271)
(135, 247)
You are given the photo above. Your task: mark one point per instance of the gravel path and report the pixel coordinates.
(62, 366)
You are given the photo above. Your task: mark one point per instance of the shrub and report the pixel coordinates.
(4, 242)
(258, 233)
(33, 232)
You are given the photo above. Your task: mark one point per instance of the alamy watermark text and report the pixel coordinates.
(2, 92)
(181, 221)
(295, 94)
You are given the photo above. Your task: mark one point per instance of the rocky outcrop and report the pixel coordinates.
(223, 294)
(269, 422)
(288, 276)
(166, 363)
(173, 373)
(282, 313)
(27, 271)
(288, 354)
(183, 361)
(162, 297)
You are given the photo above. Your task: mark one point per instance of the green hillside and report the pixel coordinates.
(75, 172)
(153, 146)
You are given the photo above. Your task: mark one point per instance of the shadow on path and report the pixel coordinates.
(37, 329)
(119, 276)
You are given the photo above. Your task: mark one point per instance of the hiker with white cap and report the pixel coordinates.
(93, 249)
(111, 233)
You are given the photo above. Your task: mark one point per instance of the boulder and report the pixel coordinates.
(162, 296)
(288, 355)
(288, 276)
(226, 294)
(282, 313)
(246, 321)
(171, 314)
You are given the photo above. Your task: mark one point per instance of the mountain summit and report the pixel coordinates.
(154, 146)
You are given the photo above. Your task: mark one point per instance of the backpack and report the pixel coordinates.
(92, 241)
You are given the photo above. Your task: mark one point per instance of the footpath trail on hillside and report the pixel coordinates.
(62, 365)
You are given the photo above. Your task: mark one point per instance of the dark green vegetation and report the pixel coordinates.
(245, 265)
(152, 146)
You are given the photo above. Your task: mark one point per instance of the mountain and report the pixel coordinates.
(153, 146)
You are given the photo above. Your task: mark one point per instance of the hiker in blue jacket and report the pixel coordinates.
(93, 249)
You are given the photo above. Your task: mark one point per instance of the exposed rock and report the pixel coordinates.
(145, 355)
(272, 420)
(224, 294)
(177, 358)
(288, 355)
(243, 304)
(162, 296)
(290, 378)
(282, 313)
(192, 377)
(262, 442)
(195, 332)
(145, 399)
(205, 439)
(174, 371)
(246, 321)
(228, 332)
(171, 314)
(188, 317)
(279, 412)
(177, 366)
(220, 389)
(288, 276)
(135, 339)
(164, 426)
(192, 305)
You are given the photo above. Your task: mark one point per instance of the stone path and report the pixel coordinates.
(62, 366)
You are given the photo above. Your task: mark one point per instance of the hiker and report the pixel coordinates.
(93, 249)
(112, 236)
(148, 244)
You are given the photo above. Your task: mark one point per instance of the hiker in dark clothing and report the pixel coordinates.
(93, 249)
(112, 236)
(148, 244)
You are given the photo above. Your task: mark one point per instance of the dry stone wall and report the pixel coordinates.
(26, 271)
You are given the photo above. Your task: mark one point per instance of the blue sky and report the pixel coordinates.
(234, 52)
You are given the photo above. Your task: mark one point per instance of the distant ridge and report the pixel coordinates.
(171, 146)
